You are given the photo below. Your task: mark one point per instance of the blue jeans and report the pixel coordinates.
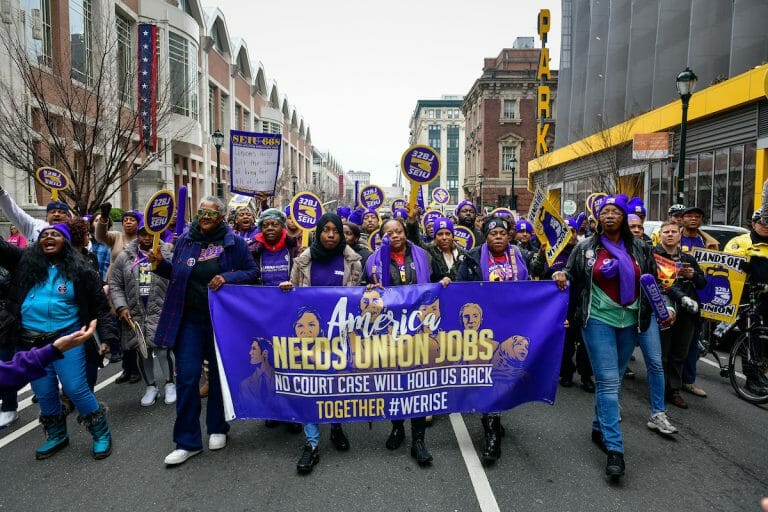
(193, 344)
(689, 365)
(71, 372)
(609, 350)
(312, 433)
(650, 344)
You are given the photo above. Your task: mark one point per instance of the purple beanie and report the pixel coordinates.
(636, 206)
(61, 228)
(523, 225)
(399, 213)
(619, 201)
(356, 217)
(443, 223)
(463, 204)
(343, 211)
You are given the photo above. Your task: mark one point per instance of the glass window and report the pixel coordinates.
(223, 118)
(510, 109)
(733, 212)
(654, 211)
(182, 59)
(508, 159)
(211, 108)
(238, 117)
(748, 191)
(437, 113)
(37, 30)
(218, 42)
(691, 170)
(719, 187)
(124, 60)
(434, 136)
(704, 184)
(80, 33)
(184, 6)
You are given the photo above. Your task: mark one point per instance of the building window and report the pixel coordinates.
(184, 6)
(80, 33)
(246, 121)
(182, 59)
(223, 121)
(238, 117)
(37, 31)
(270, 127)
(218, 43)
(242, 65)
(124, 61)
(508, 158)
(211, 108)
(431, 113)
(437, 113)
(434, 136)
(510, 109)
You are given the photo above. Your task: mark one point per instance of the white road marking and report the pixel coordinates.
(714, 365)
(32, 424)
(483, 491)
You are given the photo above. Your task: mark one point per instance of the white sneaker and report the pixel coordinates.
(170, 393)
(660, 422)
(217, 441)
(150, 396)
(8, 417)
(180, 456)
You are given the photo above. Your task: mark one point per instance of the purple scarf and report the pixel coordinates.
(376, 266)
(522, 270)
(626, 269)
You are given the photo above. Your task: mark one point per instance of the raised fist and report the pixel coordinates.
(105, 209)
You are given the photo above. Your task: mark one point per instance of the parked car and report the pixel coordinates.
(720, 232)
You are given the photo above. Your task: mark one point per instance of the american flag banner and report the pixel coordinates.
(148, 84)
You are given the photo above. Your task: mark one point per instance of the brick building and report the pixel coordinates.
(500, 116)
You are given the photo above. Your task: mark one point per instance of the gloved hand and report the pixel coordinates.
(689, 305)
(105, 209)
(610, 269)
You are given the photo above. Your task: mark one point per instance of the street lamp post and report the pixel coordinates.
(480, 183)
(686, 82)
(513, 196)
(294, 181)
(218, 141)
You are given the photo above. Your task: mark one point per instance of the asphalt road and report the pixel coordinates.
(719, 461)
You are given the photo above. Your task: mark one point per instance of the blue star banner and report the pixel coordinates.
(330, 354)
(148, 84)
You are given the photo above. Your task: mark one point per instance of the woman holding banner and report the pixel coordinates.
(445, 252)
(495, 260)
(606, 267)
(327, 262)
(399, 262)
(207, 256)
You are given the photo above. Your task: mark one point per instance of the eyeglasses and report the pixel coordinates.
(211, 214)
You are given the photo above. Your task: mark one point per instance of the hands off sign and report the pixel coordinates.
(725, 281)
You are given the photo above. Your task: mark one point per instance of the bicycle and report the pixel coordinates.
(750, 346)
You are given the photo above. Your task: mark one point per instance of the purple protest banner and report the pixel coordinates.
(330, 354)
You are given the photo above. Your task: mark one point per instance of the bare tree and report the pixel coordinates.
(85, 121)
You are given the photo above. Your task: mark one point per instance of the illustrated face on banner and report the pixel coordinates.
(307, 324)
(256, 355)
(471, 316)
(306, 209)
(433, 309)
(372, 303)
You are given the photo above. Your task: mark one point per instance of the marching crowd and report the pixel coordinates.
(75, 270)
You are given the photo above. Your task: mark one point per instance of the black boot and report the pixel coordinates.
(419, 448)
(338, 438)
(492, 450)
(309, 457)
(396, 437)
(614, 468)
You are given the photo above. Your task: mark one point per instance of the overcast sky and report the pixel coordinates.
(355, 69)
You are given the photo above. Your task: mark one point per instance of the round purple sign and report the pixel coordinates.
(399, 204)
(306, 210)
(464, 238)
(52, 179)
(420, 164)
(374, 241)
(506, 213)
(440, 195)
(429, 218)
(372, 196)
(159, 211)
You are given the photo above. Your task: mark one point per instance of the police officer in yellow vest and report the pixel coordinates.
(754, 245)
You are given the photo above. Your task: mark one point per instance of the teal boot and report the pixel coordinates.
(96, 423)
(56, 430)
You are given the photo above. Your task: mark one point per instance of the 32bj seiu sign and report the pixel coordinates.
(330, 354)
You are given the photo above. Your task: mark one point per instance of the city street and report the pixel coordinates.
(717, 462)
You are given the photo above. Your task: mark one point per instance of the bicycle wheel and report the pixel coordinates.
(742, 352)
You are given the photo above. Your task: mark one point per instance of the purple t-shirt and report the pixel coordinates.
(275, 267)
(687, 243)
(327, 273)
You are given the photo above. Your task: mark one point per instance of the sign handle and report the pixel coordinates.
(155, 247)
(54, 195)
(305, 238)
(413, 197)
